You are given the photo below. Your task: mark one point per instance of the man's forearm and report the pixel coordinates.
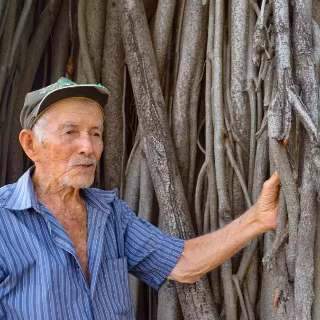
(206, 252)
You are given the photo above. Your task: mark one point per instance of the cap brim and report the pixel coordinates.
(97, 93)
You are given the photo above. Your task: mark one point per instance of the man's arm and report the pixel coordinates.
(206, 252)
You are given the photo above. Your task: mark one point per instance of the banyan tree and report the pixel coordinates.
(208, 98)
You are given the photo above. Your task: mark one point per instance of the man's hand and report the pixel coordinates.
(266, 207)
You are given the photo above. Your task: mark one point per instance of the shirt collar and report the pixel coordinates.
(100, 199)
(23, 196)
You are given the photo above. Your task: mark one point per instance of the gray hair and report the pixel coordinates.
(39, 130)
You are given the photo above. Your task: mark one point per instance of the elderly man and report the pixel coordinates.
(66, 249)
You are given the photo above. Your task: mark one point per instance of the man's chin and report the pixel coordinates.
(82, 185)
(78, 182)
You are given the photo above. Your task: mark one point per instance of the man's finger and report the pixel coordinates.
(274, 180)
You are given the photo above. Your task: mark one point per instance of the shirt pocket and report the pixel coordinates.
(118, 290)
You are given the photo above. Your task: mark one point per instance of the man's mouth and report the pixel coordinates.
(85, 165)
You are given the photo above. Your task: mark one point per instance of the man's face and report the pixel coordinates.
(72, 142)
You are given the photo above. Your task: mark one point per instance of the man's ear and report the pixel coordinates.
(28, 143)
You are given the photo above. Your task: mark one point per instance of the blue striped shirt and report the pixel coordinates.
(40, 273)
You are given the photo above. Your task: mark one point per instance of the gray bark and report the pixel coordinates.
(219, 156)
(60, 44)
(196, 301)
(187, 88)
(306, 79)
(113, 78)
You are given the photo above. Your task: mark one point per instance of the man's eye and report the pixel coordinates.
(97, 134)
(70, 132)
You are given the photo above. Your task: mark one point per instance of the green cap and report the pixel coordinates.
(36, 102)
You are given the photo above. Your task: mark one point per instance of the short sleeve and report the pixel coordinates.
(151, 254)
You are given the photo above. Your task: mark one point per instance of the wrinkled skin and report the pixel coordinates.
(71, 147)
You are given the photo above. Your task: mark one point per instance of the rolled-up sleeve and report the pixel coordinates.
(151, 254)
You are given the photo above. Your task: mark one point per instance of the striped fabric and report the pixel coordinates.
(40, 273)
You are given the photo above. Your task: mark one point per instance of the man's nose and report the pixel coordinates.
(86, 145)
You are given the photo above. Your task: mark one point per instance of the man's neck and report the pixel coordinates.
(52, 193)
